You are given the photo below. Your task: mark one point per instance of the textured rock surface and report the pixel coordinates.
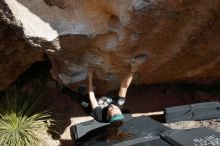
(16, 56)
(182, 38)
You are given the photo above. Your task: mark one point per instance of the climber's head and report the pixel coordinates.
(114, 113)
(113, 110)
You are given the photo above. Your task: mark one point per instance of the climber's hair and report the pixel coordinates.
(112, 132)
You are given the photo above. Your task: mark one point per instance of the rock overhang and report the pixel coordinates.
(103, 34)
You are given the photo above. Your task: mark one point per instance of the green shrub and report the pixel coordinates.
(20, 124)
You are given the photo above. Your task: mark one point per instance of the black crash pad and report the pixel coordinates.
(83, 128)
(198, 111)
(144, 126)
(141, 128)
(192, 137)
(144, 141)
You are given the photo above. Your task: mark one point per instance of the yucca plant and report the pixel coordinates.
(20, 124)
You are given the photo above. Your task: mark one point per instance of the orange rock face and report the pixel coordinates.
(181, 37)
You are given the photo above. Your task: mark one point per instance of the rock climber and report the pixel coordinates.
(108, 109)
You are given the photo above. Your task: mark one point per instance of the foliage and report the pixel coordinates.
(20, 124)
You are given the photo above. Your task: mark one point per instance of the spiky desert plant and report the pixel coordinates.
(20, 125)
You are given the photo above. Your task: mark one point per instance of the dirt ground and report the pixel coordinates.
(141, 100)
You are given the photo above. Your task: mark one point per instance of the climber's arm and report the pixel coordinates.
(125, 83)
(92, 98)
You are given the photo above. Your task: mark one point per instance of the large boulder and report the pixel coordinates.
(16, 56)
(182, 38)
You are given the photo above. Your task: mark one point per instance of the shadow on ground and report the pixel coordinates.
(140, 99)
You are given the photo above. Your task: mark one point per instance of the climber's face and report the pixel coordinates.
(113, 110)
